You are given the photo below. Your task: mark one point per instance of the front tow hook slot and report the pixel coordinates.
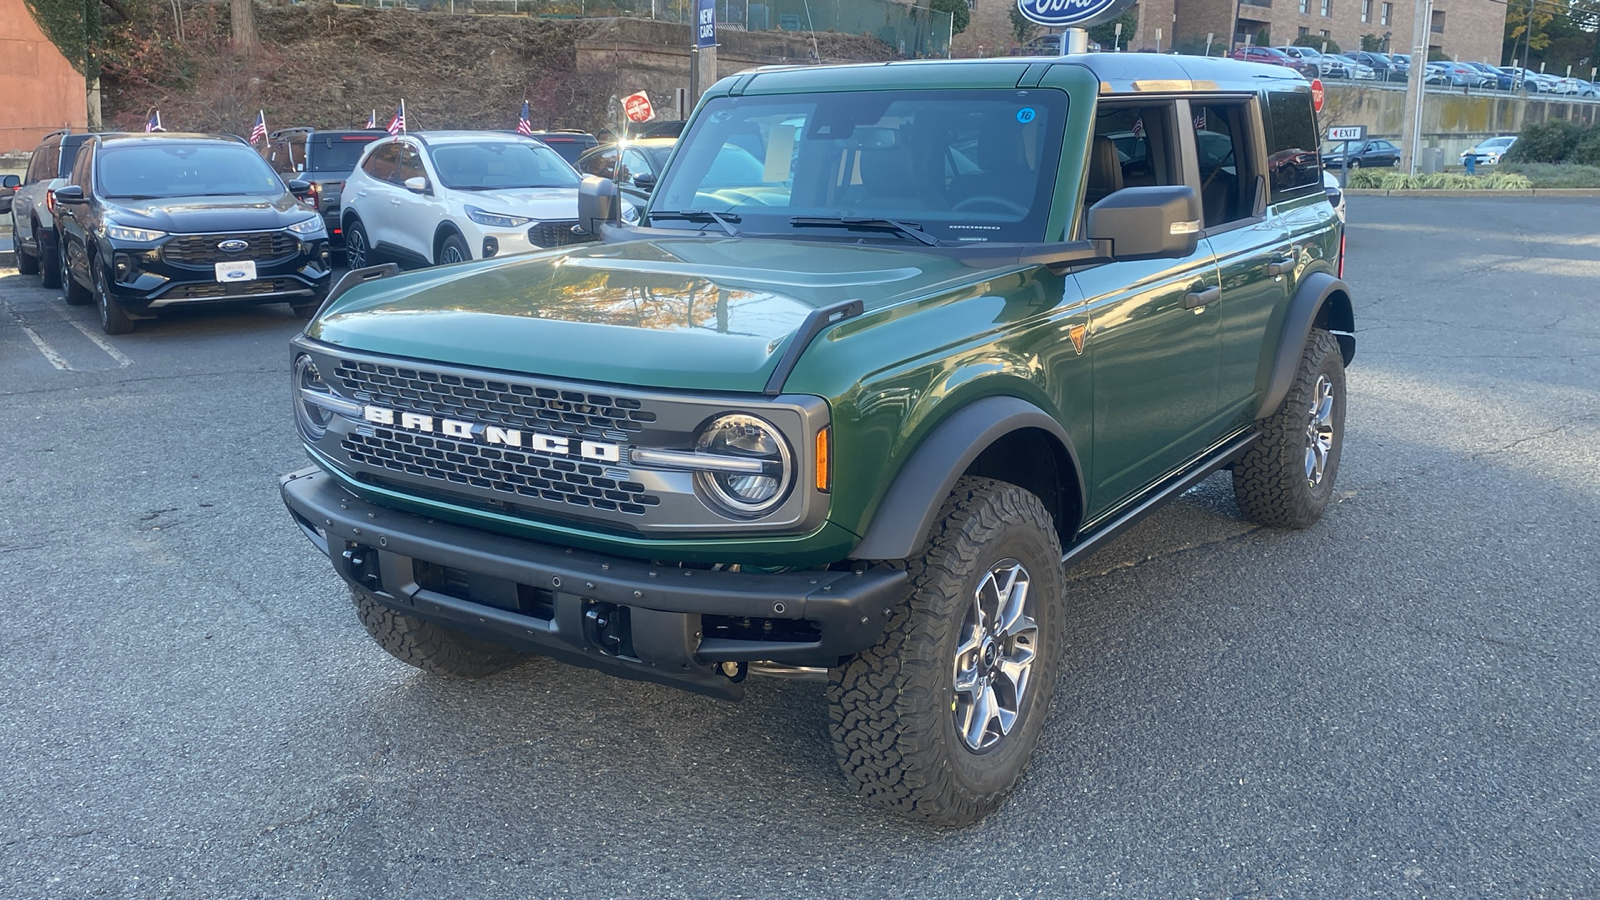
(361, 566)
(607, 628)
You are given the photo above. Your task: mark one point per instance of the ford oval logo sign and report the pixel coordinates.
(233, 245)
(1072, 13)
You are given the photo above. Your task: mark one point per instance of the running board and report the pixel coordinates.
(1116, 526)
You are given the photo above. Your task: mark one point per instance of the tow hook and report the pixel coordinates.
(606, 627)
(361, 565)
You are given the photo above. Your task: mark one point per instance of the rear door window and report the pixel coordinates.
(1293, 166)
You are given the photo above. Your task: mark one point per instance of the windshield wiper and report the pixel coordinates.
(905, 229)
(703, 215)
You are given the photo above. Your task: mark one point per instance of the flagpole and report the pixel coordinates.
(404, 125)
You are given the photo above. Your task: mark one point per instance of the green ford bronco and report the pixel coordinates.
(891, 346)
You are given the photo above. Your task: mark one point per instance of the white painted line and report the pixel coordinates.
(99, 341)
(49, 352)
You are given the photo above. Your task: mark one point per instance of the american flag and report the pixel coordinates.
(1200, 121)
(523, 125)
(372, 119)
(1138, 127)
(154, 122)
(259, 132)
(398, 123)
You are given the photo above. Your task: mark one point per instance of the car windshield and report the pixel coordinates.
(337, 153)
(153, 170)
(658, 156)
(498, 165)
(961, 165)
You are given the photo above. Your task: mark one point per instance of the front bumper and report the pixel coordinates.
(152, 283)
(633, 619)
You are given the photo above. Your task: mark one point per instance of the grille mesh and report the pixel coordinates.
(506, 404)
(556, 234)
(201, 249)
(209, 289)
(513, 472)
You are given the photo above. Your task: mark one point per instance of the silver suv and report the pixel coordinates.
(33, 223)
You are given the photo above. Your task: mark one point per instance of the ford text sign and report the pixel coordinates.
(1072, 13)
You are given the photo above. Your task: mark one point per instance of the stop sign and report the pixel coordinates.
(1316, 94)
(638, 109)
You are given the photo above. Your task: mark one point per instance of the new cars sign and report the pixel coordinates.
(1072, 13)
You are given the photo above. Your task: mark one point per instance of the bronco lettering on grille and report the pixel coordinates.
(509, 437)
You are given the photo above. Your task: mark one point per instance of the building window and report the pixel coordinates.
(1327, 8)
(1366, 10)
(1388, 10)
(1304, 31)
(1305, 6)
(1323, 33)
(1437, 25)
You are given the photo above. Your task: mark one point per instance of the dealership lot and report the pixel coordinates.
(1400, 701)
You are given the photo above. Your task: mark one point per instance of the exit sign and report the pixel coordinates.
(1348, 133)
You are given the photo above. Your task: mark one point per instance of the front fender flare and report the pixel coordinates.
(913, 501)
(1320, 296)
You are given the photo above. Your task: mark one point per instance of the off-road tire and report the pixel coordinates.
(891, 708)
(1269, 480)
(429, 646)
(27, 263)
(49, 250)
(113, 318)
(75, 293)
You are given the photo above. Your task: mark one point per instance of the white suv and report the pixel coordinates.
(448, 196)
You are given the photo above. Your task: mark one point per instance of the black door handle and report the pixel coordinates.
(1197, 299)
(1281, 266)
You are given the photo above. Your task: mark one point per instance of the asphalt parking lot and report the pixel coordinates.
(1401, 701)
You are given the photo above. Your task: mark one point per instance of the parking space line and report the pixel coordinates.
(49, 352)
(98, 341)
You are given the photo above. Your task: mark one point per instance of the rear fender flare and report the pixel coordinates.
(1321, 301)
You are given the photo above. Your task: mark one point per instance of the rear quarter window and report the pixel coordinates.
(1294, 167)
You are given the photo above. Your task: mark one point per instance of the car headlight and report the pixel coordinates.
(313, 225)
(630, 214)
(124, 233)
(758, 469)
(496, 220)
(315, 404)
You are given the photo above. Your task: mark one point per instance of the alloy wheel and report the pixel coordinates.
(1319, 431)
(994, 658)
(355, 249)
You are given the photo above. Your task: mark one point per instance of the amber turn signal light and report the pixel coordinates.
(825, 459)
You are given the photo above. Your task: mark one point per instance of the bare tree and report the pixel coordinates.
(242, 14)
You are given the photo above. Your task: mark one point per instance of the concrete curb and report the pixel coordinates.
(1437, 192)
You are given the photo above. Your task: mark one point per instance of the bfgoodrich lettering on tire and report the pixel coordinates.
(431, 647)
(939, 719)
(1286, 477)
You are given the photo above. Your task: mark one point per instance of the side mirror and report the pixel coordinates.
(10, 181)
(1161, 222)
(598, 203)
(416, 184)
(71, 193)
(644, 181)
(300, 188)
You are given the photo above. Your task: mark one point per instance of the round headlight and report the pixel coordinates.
(312, 419)
(759, 468)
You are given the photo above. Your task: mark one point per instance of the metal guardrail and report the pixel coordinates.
(912, 30)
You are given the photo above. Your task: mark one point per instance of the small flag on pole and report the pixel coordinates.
(259, 132)
(153, 123)
(372, 119)
(523, 125)
(398, 123)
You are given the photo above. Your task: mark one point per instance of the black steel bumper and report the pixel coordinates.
(629, 618)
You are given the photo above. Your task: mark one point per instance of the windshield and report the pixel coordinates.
(965, 165)
(337, 153)
(160, 169)
(497, 165)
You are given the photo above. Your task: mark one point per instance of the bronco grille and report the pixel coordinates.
(556, 234)
(202, 250)
(505, 403)
(506, 471)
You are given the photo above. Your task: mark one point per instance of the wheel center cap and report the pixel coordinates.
(989, 652)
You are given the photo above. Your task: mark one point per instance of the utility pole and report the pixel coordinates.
(1416, 86)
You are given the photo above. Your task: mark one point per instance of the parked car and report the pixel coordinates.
(429, 198)
(568, 144)
(1383, 68)
(1328, 66)
(322, 159)
(1401, 64)
(1455, 74)
(153, 221)
(1046, 45)
(1358, 71)
(33, 228)
(1497, 79)
(1366, 154)
(9, 185)
(1274, 57)
(634, 165)
(1489, 152)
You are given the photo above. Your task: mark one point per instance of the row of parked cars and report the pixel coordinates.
(137, 223)
(1362, 65)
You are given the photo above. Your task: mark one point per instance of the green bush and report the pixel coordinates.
(1556, 175)
(1547, 142)
(1439, 181)
(1586, 152)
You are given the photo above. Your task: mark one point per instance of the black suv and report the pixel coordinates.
(156, 220)
(569, 144)
(322, 159)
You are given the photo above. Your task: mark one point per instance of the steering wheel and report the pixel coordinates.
(1010, 206)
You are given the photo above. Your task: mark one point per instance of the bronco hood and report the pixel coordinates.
(688, 313)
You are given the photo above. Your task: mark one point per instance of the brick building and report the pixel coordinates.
(1462, 29)
(41, 89)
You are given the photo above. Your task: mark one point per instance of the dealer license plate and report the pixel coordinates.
(243, 270)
